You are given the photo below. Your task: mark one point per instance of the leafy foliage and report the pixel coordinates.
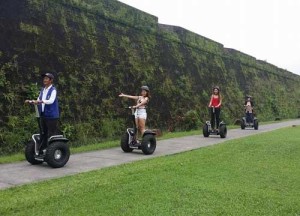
(99, 48)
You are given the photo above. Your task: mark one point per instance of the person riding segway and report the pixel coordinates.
(249, 120)
(214, 126)
(130, 139)
(215, 108)
(47, 145)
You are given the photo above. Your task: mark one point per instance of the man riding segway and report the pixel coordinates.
(48, 108)
(48, 114)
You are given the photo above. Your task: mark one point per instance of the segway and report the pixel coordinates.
(55, 152)
(249, 122)
(129, 141)
(207, 129)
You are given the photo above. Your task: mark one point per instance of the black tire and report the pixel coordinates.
(30, 153)
(255, 125)
(223, 131)
(57, 154)
(148, 144)
(243, 124)
(124, 143)
(205, 131)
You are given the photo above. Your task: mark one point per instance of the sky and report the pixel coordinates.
(268, 30)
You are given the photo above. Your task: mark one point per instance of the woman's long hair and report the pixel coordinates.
(148, 94)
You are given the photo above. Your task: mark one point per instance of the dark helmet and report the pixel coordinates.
(49, 75)
(248, 96)
(146, 88)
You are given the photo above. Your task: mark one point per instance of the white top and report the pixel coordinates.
(141, 99)
(50, 100)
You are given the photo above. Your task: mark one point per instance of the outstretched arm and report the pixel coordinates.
(129, 96)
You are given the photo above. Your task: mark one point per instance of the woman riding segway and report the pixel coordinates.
(215, 108)
(249, 120)
(129, 140)
(249, 105)
(140, 107)
(214, 126)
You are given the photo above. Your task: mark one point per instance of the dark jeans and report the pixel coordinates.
(249, 117)
(49, 128)
(215, 117)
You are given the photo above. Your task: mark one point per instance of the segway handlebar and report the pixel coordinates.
(131, 108)
(213, 108)
(37, 113)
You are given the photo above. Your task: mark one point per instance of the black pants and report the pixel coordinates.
(215, 117)
(249, 117)
(49, 128)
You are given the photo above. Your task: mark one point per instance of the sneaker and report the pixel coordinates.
(135, 142)
(39, 157)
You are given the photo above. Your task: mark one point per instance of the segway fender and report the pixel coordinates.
(57, 138)
(149, 132)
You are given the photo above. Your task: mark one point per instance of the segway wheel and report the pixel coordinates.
(205, 130)
(223, 131)
(255, 125)
(124, 143)
(243, 124)
(148, 144)
(57, 154)
(29, 154)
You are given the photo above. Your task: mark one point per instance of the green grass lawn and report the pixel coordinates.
(257, 175)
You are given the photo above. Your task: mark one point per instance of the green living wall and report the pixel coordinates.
(99, 48)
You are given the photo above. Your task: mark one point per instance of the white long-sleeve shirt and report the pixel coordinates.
(50, 100)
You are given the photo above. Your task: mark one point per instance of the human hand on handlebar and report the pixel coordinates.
(33, 101)
(121, 95)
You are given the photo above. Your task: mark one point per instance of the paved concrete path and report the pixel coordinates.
(23, 173)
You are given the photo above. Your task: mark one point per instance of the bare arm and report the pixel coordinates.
(144, 102)
(210, 101)
(37, 101)
(220, 102)
(129, 96)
